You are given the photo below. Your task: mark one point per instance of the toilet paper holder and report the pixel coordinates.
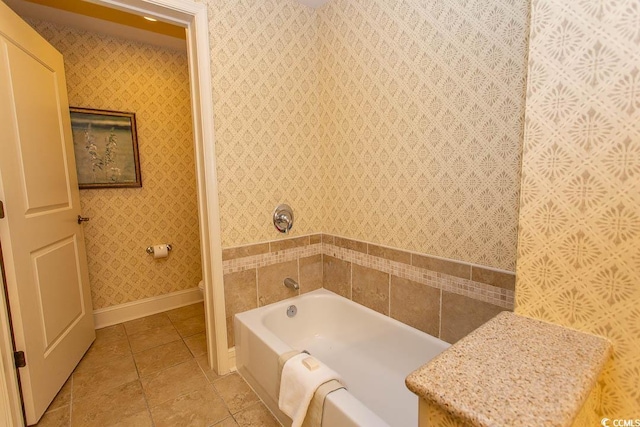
(150, 249)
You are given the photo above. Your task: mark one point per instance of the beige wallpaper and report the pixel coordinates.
(108, 73)
(422, 106)
(378, 121)
(265, 82)
(579, 239)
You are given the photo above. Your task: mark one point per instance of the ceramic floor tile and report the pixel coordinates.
(190, 326)
(146, 323)
(161, 357)
(186, 312)
(140, 419)
(56, 418)
(102, 352)
(173, 382)
(111, 333)
(63, 398)
(109, 407)
(235, 392)
(203, 362)
(116, 372)
(200, 407)
(177, 387)
(152, 338)
(229, 422)
(256, 415)
(197, 344)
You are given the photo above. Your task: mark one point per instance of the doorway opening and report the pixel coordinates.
(193, 18)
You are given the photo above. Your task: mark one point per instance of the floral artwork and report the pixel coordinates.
(106, 148)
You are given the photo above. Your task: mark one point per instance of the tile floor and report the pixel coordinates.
(153, 372)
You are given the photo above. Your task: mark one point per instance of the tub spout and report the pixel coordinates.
(291, 284)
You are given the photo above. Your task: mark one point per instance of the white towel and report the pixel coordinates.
(298, 385)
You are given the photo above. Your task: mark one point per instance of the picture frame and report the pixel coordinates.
(106, 148)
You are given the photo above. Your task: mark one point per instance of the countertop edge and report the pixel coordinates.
(601, 349)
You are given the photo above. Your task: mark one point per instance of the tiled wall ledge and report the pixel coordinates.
(444, 298)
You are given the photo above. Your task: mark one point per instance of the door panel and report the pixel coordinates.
(46, 271)
(35, 122)
(59, 287)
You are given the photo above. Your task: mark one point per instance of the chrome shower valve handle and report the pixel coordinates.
(283, 218)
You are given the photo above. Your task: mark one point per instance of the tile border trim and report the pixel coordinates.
(493, 286)
(270, 258)
(479, 291)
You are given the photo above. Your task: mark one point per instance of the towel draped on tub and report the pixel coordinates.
(303, 391)
(314, 413)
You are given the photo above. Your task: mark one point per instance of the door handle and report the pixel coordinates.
(82, 219)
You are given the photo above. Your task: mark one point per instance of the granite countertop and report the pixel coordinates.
(514, 370)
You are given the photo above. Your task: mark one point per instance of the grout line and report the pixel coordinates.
(389, 315)
(146, 402)
(440, 316)
(139, 379)
(299, 277)
(257, 291)
(71, 401)
(322, 270)
(351, 281)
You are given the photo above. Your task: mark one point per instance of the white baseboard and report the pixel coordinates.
(113, 315)
(232, 359)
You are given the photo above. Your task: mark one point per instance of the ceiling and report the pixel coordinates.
(93, 17)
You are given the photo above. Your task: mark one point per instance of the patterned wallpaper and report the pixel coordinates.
(327, 109)
(422, 112)
(108, 73)
(579, 239)
(266, 106)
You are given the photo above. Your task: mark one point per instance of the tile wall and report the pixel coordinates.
(443, 298)
(253, 274)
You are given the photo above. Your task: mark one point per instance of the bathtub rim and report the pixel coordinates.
(252, 317)
(341, 401)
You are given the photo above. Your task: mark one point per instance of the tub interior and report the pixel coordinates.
(372, 352)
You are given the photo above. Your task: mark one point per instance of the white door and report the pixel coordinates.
(42, 242)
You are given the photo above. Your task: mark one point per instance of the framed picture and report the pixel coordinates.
(106, 148)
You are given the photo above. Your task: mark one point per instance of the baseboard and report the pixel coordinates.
(115, 314)
(232, 359)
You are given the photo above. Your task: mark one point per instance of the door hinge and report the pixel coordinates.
(20, 359)
(1, 209)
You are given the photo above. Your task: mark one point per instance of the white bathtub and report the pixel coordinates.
(372, 352)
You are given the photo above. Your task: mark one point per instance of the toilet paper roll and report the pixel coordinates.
(160, 251)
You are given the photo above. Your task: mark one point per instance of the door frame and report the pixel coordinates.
(193, 17)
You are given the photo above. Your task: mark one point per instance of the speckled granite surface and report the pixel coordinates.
(514, 371)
